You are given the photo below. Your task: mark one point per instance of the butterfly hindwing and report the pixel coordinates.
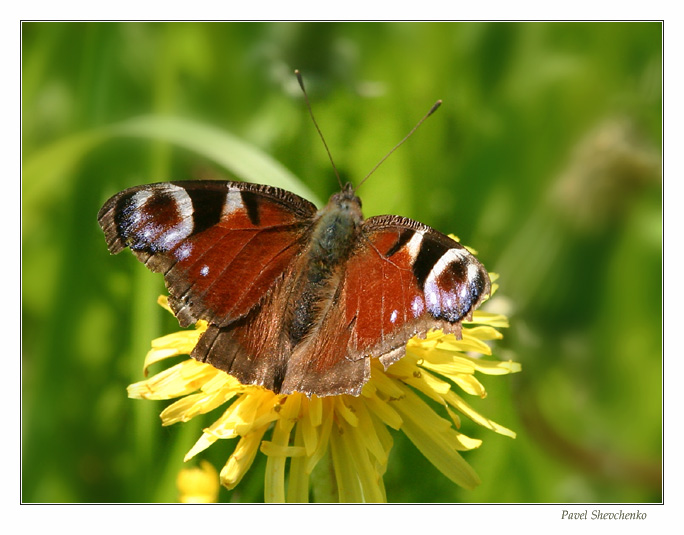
(259, 348)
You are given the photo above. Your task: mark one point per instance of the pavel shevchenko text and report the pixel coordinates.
(597, 514)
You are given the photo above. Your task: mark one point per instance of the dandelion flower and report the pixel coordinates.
(199, 484)
(351, 433)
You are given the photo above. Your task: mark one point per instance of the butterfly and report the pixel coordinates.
(296, 299)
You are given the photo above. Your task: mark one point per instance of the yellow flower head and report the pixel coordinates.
(198, 485)
(352, 431)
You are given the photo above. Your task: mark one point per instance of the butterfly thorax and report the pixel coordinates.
(336, 228)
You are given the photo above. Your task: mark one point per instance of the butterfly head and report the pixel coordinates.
(346, 202)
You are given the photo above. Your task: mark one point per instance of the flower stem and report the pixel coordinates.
(323, 482)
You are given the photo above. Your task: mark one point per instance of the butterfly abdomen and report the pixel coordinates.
(333, 235)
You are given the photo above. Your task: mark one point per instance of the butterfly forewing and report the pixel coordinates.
(404, 279)
(220, 245)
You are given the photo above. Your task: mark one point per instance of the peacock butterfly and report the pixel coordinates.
(296, 299)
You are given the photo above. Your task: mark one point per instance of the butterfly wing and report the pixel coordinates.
(406, 279)
(221, 246)
(403, 279)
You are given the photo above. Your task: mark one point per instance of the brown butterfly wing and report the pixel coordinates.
(403, 279)
(221, 246)
(407, 279)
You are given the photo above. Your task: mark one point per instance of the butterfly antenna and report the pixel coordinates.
(308, 105)
(432, 110)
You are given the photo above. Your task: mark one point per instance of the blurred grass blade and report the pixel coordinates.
(46, 170)
(243, 160)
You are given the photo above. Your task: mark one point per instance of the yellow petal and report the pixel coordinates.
(309, 435)
(383, 383)
(384, 411)
(323, 440)
(429, 384)
(190, 406)
(241, 459)
(489, 318)
(163, 301)
(348, 485)
(482, 332)
(343, 410)
(274, 483)
(458, 403)
(470, 385)
(298, 477)
(366, 433)
(496, 367)
(278, 450)
(435, 444)
(179, 380)
(368, 477)
(202, 444)
(315, 408)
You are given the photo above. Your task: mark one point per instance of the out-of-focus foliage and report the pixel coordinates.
(545, 157)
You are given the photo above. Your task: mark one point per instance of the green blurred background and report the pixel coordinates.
(545, 157)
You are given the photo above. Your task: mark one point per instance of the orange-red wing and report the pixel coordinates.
(220, 245)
